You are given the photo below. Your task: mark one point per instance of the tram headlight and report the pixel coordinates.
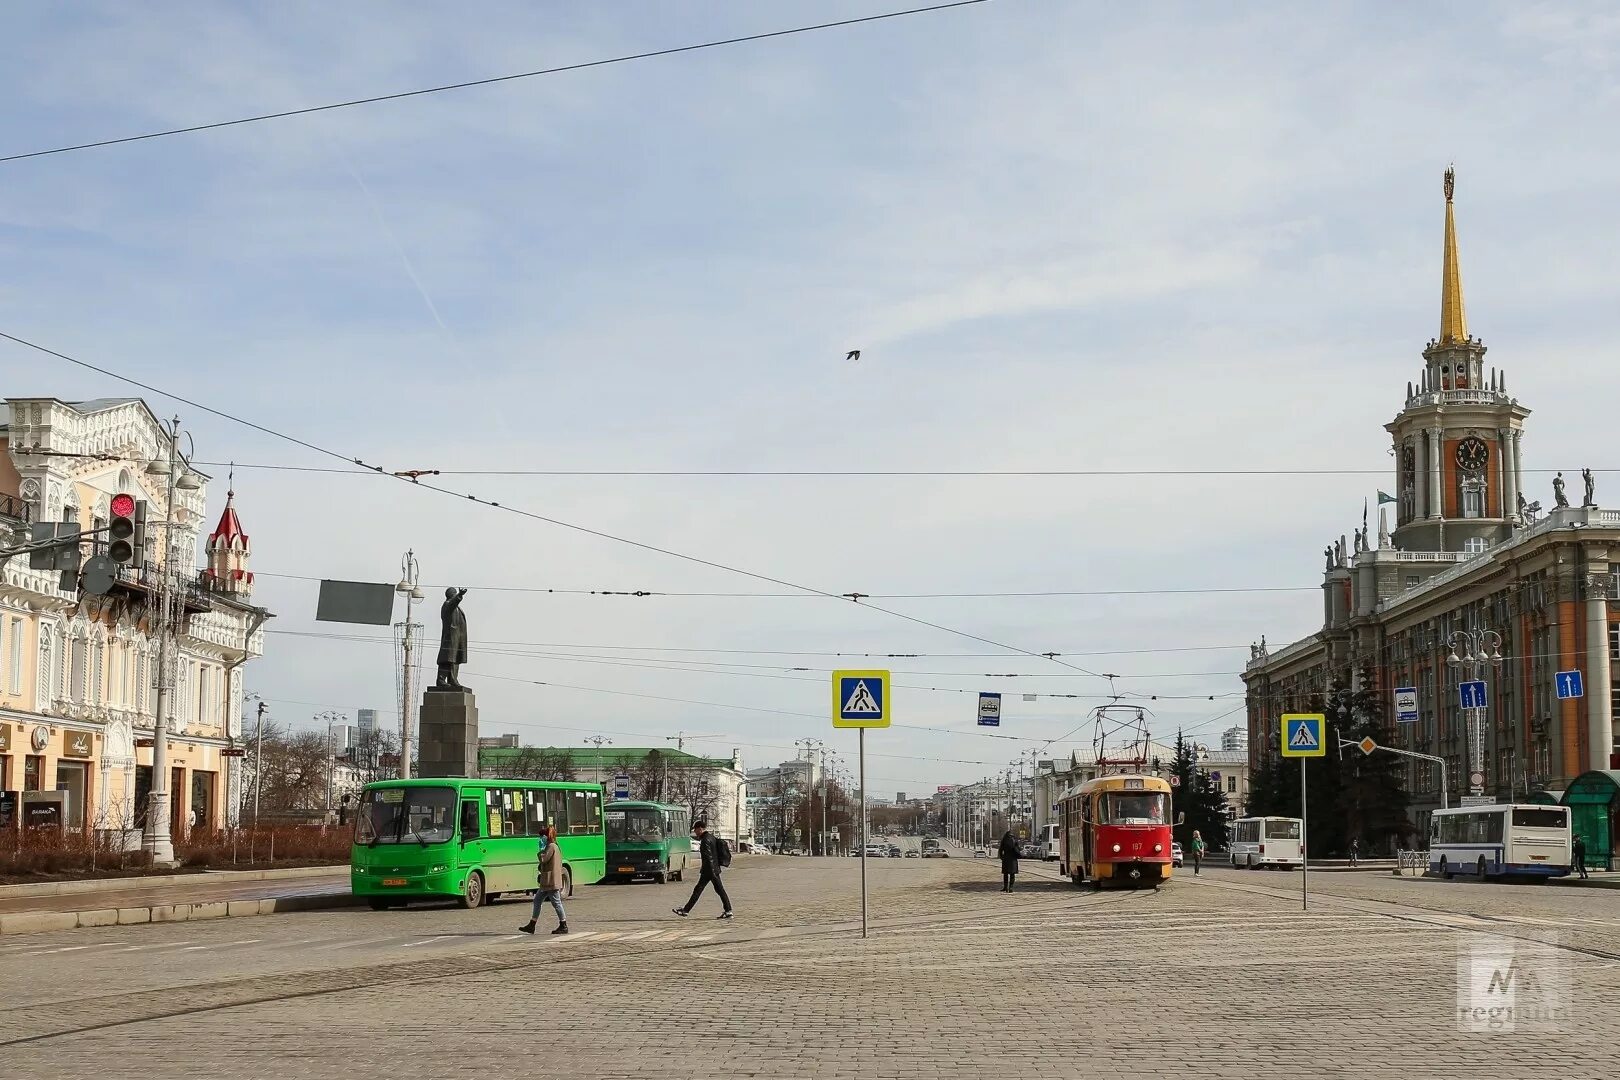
(1116, 849)
(1157, 848)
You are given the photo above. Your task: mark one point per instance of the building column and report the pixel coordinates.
(1599, 713)
(1504, 462)
(1420, 478)
(1518, 472)
(1435, 502)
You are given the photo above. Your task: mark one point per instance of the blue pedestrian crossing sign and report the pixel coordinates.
(1471, 694)
(1569, 684)
(860, 699)
(1302, 735)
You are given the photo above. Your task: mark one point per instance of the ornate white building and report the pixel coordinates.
(77, 677)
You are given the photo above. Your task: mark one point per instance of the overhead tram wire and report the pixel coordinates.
(644, 593)
(847, 474)
(492, 80)
(531, 515)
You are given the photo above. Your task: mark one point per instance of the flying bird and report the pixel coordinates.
(854, 354)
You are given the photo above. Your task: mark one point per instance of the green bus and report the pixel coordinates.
(648, 839)
(470, 839)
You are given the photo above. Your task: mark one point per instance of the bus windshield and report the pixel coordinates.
(1282, 828)
(1134, 808)
(423, 815)
(635, 826)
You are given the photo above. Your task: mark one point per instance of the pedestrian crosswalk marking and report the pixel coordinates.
(1304, 738)
(861, 702)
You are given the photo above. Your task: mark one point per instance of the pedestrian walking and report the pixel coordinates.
(1578, 851)
(1008, 850)
(1355, 850)
(1197, 852)
(716, 856)
(550, 880)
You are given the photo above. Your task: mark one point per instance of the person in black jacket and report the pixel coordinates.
(1008, 850)
(716, 857)
(1578, 851)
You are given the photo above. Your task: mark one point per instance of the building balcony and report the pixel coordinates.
(191, 598)
(13, 507)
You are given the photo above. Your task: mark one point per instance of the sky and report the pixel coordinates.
(1064, 236)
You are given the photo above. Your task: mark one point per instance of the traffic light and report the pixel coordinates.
(126, 532)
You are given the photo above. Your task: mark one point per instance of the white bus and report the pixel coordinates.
(1050, 842)
(1270, 842)
(1492, 841)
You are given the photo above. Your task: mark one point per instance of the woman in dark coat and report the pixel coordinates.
(1008, 850)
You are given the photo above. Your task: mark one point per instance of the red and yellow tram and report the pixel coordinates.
(1116, 830)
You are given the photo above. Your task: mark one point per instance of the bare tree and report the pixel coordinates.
(541, 763)
(696, 790)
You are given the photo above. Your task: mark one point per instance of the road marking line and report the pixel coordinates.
(704, 937)
(195, 948)
(165, 945)
(367, 941)
(639, 935)
(426, 941)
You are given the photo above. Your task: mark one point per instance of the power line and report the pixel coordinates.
(490, 81)
(780, 474)
(647, 593)
(531, 515)
(699, 664)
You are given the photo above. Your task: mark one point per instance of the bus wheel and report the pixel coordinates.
(472, 891)
(568, 884)
(378, 903)
(1481, 869)
(663, 875)
(1445, 868)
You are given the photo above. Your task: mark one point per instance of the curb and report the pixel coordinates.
(38, 922)
(87, 885)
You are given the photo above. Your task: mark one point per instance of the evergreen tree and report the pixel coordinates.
(1198, 797)
(1374, 797)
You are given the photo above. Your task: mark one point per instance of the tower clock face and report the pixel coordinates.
(1472, 454)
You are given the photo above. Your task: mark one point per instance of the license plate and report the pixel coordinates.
(627, 869)
(1538, 858)
(393, 881)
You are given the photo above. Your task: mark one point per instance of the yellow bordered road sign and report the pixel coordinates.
(860, 699)
(1302, 735)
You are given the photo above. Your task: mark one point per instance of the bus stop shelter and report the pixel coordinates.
(1593, 799)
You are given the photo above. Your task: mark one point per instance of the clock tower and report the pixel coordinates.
(1457, 477)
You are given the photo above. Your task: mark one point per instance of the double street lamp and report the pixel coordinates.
(1472, 650)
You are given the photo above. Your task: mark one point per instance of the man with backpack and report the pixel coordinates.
(716, 855)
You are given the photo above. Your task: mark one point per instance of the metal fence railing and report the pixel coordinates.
(1411, 863)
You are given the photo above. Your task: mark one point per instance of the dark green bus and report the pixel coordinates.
(648, 840)
(470, 839)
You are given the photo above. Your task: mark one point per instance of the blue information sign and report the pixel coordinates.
(1569, 684)
(1406, 705)
(1471, 694)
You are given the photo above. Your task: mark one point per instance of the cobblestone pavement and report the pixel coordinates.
(1214, 976)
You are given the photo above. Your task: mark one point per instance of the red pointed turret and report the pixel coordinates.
(228, 550)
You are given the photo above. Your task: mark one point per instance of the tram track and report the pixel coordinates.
(1418, 914)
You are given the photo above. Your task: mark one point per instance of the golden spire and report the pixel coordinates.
(1453, 320)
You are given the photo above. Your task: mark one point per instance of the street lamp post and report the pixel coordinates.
(331, 759)
(1478, 647)
(156, 839)
(258, 764)
(410, 587)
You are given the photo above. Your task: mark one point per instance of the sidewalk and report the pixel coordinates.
(178, 898)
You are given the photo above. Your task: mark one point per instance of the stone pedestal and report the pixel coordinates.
(449, 734)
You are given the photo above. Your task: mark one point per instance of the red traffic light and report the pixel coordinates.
(122, 506)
